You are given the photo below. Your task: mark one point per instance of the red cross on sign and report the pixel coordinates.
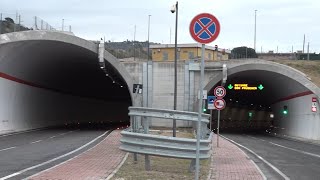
(204, 28)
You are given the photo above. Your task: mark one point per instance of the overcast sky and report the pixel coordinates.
(280, 23)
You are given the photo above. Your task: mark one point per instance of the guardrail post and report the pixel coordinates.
(192, 166)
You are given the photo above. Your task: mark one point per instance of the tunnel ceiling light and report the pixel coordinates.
(107, 74)
(251, 104)
(121, 86)
(113, 82)
(230, 99)
(237, 101)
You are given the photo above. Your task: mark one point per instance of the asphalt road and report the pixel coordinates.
(296, 160)
(25, 154)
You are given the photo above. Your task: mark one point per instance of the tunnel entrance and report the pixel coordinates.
(58, 81)
(266, 101)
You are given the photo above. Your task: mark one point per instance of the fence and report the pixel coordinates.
(16, 22)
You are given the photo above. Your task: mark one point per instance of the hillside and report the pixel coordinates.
(127, 49)
(310, 68)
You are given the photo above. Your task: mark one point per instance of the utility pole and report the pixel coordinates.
(0, 23)
(277, 50)
(174, 125)
(255, 28)
(304, 40)
(170, 35)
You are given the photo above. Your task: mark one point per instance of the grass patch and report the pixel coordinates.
(310, 68)
(161, 167)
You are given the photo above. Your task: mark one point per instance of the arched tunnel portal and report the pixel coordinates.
(52, 79)
(268, 97)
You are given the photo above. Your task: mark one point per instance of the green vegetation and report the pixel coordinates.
(243, 52)
(8, 25)
(310, 68)
(127, 49)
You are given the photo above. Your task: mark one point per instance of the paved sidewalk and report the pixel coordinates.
(231, 163)
(94, 164)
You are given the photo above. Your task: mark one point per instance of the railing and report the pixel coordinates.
(138, 141)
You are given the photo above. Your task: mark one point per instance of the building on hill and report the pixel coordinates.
(165, 52)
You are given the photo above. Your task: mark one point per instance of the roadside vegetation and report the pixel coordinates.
(310, 68)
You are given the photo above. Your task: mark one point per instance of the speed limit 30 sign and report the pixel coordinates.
(219, 92)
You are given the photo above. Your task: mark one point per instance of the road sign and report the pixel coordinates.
(314, 99)
(204, 28)
(211, 101)
(219, 92)
(204, 94)
(314, 109)
(137, 88)
(219, 104)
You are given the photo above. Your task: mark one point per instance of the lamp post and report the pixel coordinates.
(255, 28)
(174, 9)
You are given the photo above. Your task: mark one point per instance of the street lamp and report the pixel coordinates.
(174, 9)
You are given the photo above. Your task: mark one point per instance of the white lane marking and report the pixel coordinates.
(296, 150)
(52, 137)
(52, 160)
(61, 134)
(265, 161)
(35, 141)
(7, 148)
(256, 138)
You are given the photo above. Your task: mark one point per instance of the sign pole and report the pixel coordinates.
(199, 114)
(210, 120)
(218, 128)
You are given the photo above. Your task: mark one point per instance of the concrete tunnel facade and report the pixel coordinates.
(283, 86)
(51, 79)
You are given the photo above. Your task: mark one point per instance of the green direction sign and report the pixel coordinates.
(260, 87)
(245, 87)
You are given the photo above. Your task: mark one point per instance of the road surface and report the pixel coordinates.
(293, 159)
(22, 155)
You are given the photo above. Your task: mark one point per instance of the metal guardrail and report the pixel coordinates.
(157, 145)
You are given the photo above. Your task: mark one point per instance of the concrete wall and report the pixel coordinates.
(24, 107)
(300, 120)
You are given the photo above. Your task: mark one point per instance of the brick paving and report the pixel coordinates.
(231, 163)
(94, 164)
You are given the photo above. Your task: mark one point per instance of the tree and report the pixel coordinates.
(9, 20)
(243, 52)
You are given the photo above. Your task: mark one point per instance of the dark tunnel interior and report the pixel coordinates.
(252, 110)
(69, 70)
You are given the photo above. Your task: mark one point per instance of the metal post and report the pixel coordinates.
(199, 113)
(211, 120)
(255, 28)
(70, 28)
(146, 125)
(218, 128)
(35, 23)
(62, 25)
(246, 52)
(304, 40)
(19, 20)
(174, 125)
(0, 23)
(308, 56)
(134, 43)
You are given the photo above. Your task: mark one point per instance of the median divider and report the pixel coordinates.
(136, 139)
